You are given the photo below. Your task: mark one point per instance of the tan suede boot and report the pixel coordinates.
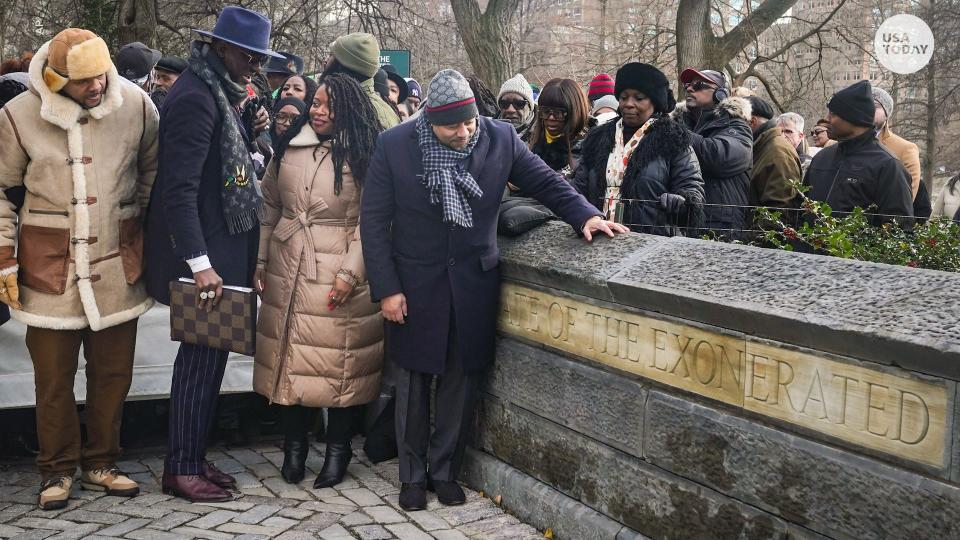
(55, 492)
(111, 480)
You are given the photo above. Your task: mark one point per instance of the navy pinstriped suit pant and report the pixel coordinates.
(197, 374)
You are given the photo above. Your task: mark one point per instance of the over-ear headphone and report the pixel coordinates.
(720, 94)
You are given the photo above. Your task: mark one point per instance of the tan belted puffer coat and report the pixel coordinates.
(307, 354)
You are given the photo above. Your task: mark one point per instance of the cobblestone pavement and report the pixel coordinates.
(363, 506)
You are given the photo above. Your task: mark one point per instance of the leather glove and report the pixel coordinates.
(10, 291)
(672, 203)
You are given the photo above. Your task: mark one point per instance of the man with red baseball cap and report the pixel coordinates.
(723, 141)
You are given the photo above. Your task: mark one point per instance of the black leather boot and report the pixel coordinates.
(295, 445)
(294, 459)
(334, 465)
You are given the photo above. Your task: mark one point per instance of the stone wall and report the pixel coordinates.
(677, 388)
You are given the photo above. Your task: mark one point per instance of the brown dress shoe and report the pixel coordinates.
(194, 488)
(218, 477)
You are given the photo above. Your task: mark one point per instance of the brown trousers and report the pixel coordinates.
(109, 356)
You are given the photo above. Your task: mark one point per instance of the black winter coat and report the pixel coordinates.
(662, 163)
(185, 216)
(555, 154)
(723, 142)
(860, 172)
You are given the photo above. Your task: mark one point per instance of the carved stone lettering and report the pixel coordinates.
(879, 409)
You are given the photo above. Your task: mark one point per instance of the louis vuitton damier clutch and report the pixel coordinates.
(231, 326)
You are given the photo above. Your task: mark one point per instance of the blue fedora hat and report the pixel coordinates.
(244, 28)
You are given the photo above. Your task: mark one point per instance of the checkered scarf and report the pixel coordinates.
(445, 176)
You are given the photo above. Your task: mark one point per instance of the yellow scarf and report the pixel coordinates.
(551, 138)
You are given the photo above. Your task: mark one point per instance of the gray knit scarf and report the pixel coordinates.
(446, 177)
(240, 194)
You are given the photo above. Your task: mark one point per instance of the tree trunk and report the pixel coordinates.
(485, 37)
(138, 22)
(930, 155)
(698, 47)
(695, 37)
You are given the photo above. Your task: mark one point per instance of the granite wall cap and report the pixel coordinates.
(552, 255)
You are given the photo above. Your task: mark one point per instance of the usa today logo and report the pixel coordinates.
(903, 44)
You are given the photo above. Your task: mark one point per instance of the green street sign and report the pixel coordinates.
(399, 60)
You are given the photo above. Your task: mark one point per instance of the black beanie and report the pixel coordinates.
(854, 104)
(380, 83)
(760, 108)
(648, 80)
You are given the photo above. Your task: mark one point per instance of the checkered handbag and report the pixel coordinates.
(231, 326)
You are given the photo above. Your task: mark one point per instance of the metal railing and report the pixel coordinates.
(726, 222)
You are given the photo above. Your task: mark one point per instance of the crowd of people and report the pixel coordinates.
(122, 173)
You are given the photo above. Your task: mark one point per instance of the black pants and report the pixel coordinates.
(197, 374)
(342, 422)
(455, 400)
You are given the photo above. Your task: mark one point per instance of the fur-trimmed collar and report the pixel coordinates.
(734, 107)
(664, 138)
(306, 137)
(64, 112)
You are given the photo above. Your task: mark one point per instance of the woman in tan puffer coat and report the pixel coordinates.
(319, 337)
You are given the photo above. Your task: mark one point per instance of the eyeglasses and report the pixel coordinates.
(517, 104)
(557, 114)
(697, 86)
(256, 61)
(816, 132)
(285, 119)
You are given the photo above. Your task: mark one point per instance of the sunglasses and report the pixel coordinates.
(517, 104)
(816, 132)
(257, 61)
(557, 114)
(697, 86)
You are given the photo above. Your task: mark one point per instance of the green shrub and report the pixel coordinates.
(934, 244)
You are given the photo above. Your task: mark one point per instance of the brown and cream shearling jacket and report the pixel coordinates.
(88, 175)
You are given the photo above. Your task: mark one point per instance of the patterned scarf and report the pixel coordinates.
(617, 166)
(445, 176)
(240, 194)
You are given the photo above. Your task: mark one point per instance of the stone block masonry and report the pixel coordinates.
(676, 388)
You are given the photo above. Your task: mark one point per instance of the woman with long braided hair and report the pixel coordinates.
(319, 337)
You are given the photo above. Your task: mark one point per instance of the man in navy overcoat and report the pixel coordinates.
(203, 223)
(429, 236)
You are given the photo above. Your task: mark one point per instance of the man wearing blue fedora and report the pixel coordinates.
(203, 223)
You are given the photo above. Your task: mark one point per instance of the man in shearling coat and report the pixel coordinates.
(83, 141)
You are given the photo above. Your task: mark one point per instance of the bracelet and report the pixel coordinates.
(348, 276)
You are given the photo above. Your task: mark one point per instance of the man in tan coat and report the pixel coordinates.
(904, 150)
(83, 142)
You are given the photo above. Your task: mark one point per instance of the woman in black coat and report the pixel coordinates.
(562, 116)
(640, 169)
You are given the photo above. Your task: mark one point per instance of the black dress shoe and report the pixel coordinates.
(334, 465)
(294, 460)
(413, 496)
(449, 493)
